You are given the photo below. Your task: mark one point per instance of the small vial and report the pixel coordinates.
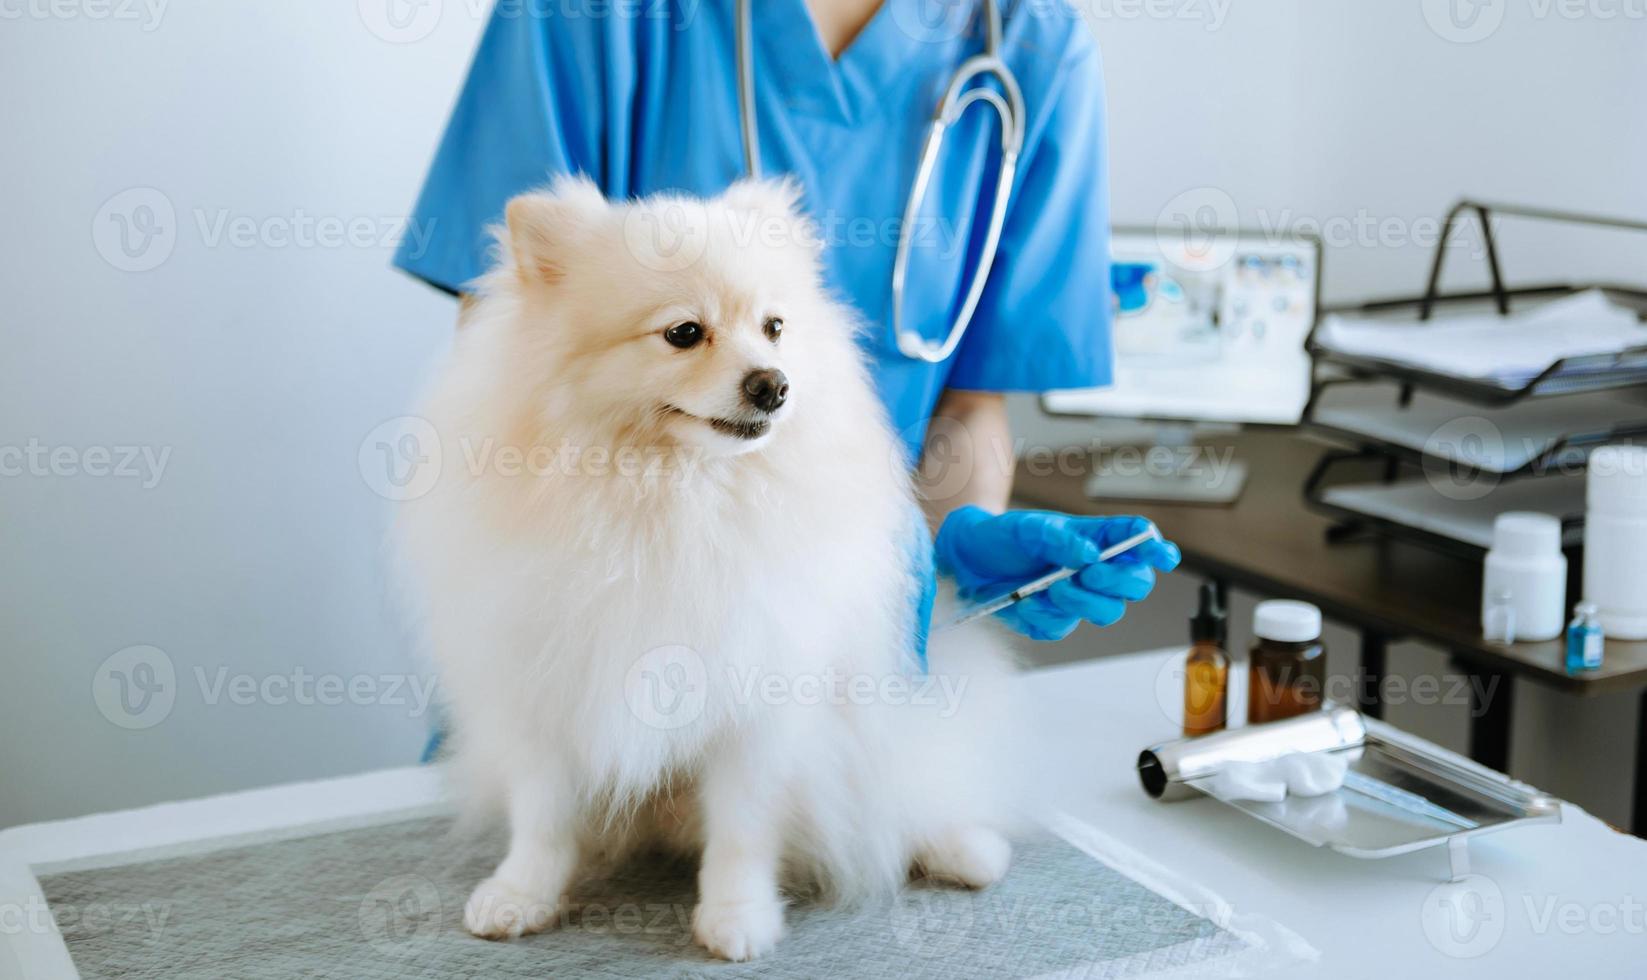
(1207, 669)
(1584, 638)
(1498, 619)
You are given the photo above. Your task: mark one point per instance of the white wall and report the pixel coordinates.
(260, 367)
(1364, 122)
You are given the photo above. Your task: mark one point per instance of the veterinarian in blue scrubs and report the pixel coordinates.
(642, 96)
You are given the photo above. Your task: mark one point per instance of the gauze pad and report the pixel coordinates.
(1298, 774)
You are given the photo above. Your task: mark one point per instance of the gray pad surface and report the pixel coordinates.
(387, 901)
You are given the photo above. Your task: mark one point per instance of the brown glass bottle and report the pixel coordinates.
(1207, 669)
(1288, 671)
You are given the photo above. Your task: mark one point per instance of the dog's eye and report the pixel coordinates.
(684, 335)
(773, 328)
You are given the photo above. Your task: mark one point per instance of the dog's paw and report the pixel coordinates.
(977, 857)
(738, 930)
(499, 910)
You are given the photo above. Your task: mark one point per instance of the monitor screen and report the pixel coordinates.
(1211, 330)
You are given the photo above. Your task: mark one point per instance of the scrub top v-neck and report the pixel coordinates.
(642, 97)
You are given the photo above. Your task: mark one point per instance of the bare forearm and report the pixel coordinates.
(967, 457)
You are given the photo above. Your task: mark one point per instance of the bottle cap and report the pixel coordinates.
(1286, 621)
(1210, 622)
(1587, 608)
(1525, 534)
(1616, 480)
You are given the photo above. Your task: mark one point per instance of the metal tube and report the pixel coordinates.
(1166, 769)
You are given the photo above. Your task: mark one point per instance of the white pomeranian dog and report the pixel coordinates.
(669, 580)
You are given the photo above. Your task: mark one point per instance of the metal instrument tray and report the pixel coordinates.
(1400, 794)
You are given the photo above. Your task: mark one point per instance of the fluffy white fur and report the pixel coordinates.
(589, 523)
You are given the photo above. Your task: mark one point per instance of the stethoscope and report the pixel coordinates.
(957, 98)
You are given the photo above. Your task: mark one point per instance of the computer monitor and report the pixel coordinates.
(1207, 328)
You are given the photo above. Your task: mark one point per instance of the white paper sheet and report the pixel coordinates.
(1509, 350)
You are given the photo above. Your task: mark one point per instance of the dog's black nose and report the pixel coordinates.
(766, 389)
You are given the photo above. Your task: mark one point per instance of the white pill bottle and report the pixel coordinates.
(1615, 539)
(1526, 564)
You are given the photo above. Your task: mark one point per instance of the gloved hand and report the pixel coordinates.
(989, 555)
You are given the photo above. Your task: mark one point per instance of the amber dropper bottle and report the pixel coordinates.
(1207, 671)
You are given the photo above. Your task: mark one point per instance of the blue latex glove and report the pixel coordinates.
(989, 555)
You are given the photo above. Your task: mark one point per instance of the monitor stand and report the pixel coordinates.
(1173, 470)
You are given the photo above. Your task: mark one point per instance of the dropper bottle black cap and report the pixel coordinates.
(1210, 623)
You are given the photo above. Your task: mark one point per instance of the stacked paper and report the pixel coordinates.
(1506, 350)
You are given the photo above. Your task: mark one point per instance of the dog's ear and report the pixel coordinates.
(547, 227)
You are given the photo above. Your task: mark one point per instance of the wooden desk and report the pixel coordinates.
(1268, 543)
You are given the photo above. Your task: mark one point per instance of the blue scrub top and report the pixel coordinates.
(642, 97)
